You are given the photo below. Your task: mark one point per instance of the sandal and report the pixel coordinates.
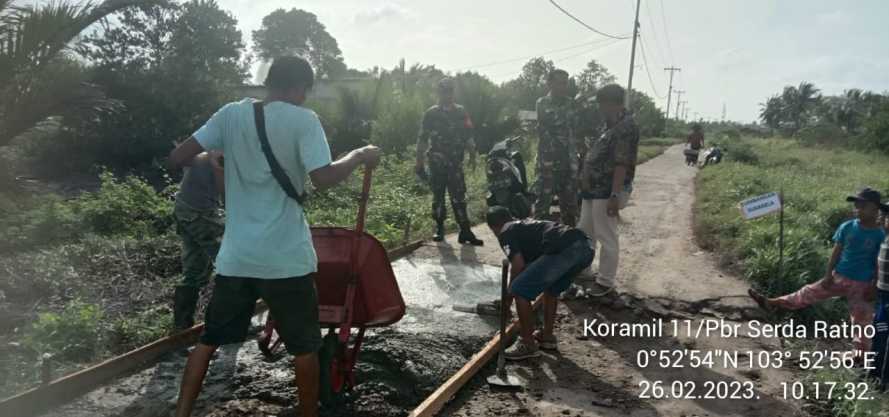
(760, 299)
(550, 343)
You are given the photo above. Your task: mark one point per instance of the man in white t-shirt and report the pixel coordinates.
(267, 248)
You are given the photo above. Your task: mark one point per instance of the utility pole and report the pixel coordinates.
(680, 115)
(723, 111)
(670, 92)
(679, 94)
(633, 56)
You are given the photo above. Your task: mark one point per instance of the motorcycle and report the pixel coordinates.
(712, 156)
(507, 178)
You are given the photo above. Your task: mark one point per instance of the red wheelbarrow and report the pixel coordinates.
(356, 289)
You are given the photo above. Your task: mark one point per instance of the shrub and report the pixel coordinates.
(876, 136)
(398, 123)
(740, 151)
(128, 207)
(73, 334)
(821, 134)
(135, 330)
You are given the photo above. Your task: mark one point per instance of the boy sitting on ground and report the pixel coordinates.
(851, 270)
(545, 257)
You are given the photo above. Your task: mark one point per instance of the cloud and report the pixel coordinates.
(386, 12)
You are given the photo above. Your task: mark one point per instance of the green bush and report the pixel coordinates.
(139, 329)
(398, 123)
(128, 207)
(75, 334)
(740, 151)
(876, 136)
(822, 134)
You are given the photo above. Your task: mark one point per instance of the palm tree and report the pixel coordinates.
(799, 101)
(772, 112)
(39, 80)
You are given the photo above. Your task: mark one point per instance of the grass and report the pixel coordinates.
(815, 183)
(651, 148)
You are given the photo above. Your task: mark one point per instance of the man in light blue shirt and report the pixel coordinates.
(267, 248)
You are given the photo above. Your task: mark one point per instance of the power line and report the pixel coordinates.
(611, 42)
(667, 34)
(608, 42)
(657, 44)
(567, 13)
(647, 71)
(511, 60)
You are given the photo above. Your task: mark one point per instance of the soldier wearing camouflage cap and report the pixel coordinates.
(445, 135)
(557, 159)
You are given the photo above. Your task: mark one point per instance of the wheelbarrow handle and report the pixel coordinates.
(362, 201)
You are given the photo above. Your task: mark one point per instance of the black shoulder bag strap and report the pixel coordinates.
(277, 171)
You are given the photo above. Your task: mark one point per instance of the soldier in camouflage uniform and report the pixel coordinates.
(606, 180)
(200, 225)
(557, 159)
(444, 136)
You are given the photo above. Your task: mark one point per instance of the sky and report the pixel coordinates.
(732, 53)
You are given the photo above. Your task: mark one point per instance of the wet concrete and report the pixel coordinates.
(398, 367)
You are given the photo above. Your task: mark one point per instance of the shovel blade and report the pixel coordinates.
(505, 381)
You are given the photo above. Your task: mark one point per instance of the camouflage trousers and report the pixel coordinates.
(448, 178)
(201, 233)
(551, 183)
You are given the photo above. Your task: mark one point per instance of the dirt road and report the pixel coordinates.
(663, 274)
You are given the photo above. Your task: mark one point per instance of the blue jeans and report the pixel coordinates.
(553, 273)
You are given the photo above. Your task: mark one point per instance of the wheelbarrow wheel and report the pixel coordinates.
(267, 341)
(326, 356)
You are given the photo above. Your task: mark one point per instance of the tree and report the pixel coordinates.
(592, 77)
(171, 66)
(793, 109)
(772, 112)
(530, 84)
(799, 102)
(487, 108)
(649, 117)
(298, 32)
(38, 79)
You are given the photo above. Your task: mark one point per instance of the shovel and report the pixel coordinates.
(502, 378)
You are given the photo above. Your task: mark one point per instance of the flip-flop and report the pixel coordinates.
(760, 299)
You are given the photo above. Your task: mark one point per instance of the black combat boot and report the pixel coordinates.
(466, 236)
(439, 232)
(185, 301)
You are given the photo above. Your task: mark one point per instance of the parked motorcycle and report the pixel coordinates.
(712, 156)
(507, 178)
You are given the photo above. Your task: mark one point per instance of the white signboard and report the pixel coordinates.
(759, 206)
